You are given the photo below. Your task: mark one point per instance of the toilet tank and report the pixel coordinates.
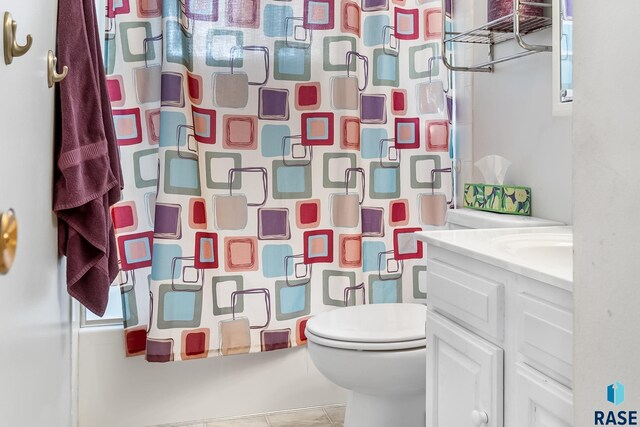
(468, 218)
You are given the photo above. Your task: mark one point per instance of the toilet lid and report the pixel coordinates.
(372, 323)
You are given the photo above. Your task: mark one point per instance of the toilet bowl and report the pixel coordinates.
(377, 352)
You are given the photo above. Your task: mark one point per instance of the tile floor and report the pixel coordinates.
(326, 416)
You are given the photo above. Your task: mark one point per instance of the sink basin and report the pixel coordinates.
(552, 249)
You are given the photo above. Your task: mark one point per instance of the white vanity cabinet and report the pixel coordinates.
(499, 345)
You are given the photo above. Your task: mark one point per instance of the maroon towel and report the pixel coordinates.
(499, 8)
(88, 178)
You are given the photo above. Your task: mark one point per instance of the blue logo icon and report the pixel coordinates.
(615, 393)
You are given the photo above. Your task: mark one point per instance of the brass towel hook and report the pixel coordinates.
(53, 76)
(8, 240)
(11, 47)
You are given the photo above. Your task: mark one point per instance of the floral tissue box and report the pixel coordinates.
(506, 199)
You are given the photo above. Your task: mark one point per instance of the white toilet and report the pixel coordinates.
(378, 352)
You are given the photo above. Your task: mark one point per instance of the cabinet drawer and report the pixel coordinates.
(473, 300)
(545, 337)
(540, 401)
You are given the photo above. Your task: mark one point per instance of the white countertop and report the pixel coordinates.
(541, 253)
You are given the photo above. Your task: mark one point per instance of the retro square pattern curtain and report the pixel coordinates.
(277, 158)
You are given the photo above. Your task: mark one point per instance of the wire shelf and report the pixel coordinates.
(510, 27)
(500, 30)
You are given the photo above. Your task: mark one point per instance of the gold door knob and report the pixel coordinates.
(11, 47)
(8, 240)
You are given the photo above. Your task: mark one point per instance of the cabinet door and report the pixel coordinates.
(35, 361)
(464, 377)
(541, 402)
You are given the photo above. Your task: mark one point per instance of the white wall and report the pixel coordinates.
(512, 118)
(606, 206)
(116, 391)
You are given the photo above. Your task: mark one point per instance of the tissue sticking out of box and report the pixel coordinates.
(493, 169)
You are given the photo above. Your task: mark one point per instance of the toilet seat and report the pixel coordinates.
(366, 346)
(373, 327)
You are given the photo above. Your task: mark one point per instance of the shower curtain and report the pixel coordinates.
(277, 159)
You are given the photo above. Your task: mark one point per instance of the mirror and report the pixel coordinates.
(562, 87)
(566, 50)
